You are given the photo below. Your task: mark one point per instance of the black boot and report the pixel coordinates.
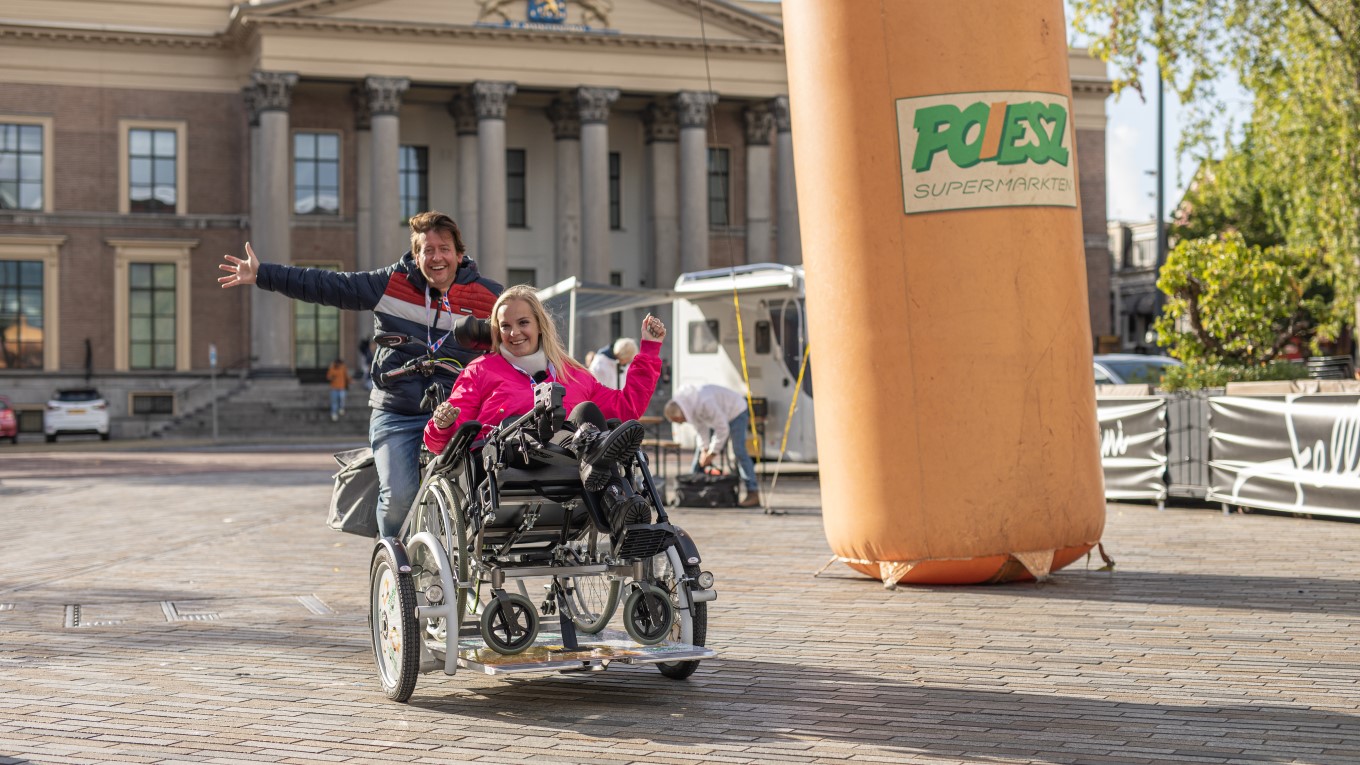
(624, 508)
(599, 452)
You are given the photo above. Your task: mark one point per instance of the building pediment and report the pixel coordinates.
(663, 23)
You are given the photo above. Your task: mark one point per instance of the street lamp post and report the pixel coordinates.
(1159, 299)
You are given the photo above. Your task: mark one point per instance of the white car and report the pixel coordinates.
(77, 410)
(1129, 368)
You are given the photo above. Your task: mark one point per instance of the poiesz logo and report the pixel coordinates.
(1007, 134)
(994, 149)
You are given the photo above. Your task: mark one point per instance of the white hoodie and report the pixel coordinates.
(710, 407)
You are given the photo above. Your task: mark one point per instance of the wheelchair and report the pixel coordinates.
(511, 508)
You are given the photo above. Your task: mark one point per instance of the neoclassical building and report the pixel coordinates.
(620, 141)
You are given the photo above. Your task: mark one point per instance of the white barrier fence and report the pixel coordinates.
(1289, 452)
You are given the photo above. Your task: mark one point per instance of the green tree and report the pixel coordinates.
(1300, 59)
(1232, 194)
(1239, 305)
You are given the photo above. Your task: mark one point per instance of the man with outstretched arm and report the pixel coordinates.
(419, 296)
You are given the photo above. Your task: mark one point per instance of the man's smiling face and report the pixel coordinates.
(438, 259)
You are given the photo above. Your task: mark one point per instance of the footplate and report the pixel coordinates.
(643, 540)
(596, 652)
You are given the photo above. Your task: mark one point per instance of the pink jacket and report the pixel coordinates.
(491, 389)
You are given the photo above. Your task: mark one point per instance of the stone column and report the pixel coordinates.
(566, 124)
(271, 315)
(790, 243)
(490, 99)
(595, 254)
(384, 101)
(759, 125)
(691, 109)
(594, 105)
(662, 132)
(363, 188)
(465, 123)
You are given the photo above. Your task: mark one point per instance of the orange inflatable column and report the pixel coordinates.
(946, 286)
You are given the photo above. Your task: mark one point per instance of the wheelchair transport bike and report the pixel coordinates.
(451, 592)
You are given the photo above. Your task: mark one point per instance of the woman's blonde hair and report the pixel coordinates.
(548, 341)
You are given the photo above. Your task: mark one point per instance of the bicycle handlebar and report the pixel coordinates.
(424, 366)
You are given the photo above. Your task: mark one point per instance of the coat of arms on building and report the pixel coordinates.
(547, 11)
(587, 14)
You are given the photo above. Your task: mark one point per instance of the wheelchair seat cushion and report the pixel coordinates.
(552, 480)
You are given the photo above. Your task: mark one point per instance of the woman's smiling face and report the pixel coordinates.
(518, 328)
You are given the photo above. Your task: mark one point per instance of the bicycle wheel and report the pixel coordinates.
(691, 628)
(392, 623)
(591, 600)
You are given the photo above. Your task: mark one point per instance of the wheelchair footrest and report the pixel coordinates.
(643, 540)
(595, 652)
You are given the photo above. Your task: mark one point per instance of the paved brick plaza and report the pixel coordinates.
(1219, 639)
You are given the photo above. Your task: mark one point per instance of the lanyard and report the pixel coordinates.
(549, 374)
(444, 304)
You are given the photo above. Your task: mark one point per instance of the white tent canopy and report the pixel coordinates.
(572, 299)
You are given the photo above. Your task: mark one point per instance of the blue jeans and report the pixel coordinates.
(337, 401)
(396, 440)
(746, 467)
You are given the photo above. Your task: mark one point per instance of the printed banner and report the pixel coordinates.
(988, 149)
(1133, 446)
(1297, 453)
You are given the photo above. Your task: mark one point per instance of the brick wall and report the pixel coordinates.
(85, 201)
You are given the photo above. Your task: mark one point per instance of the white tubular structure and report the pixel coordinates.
(449, 608)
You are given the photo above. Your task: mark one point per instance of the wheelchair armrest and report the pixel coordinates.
(463, 438)
(457, 447)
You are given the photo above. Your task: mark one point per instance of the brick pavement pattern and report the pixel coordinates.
(219, 621)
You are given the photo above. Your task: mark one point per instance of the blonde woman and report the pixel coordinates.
(525, 349)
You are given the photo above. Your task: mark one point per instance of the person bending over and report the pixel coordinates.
(716, 413)
(524, 345)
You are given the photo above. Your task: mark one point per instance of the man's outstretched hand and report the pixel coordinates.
(239, 271)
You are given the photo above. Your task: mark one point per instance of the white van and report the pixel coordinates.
(774, 327)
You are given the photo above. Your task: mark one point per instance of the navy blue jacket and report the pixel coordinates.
(397, 296)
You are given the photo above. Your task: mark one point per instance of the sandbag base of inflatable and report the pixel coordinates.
(987, 569)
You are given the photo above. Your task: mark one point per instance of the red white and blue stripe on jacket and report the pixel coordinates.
(397, 296)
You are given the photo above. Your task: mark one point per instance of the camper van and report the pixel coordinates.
(774, 328)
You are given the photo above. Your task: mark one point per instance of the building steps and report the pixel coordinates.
(276, 407)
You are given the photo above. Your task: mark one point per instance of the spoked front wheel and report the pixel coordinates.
(392, 622)
(691, 624)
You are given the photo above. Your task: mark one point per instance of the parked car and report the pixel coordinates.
(76, 410)
(1131, 368)
(9, 423)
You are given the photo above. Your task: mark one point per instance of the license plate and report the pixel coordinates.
(75, 411)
